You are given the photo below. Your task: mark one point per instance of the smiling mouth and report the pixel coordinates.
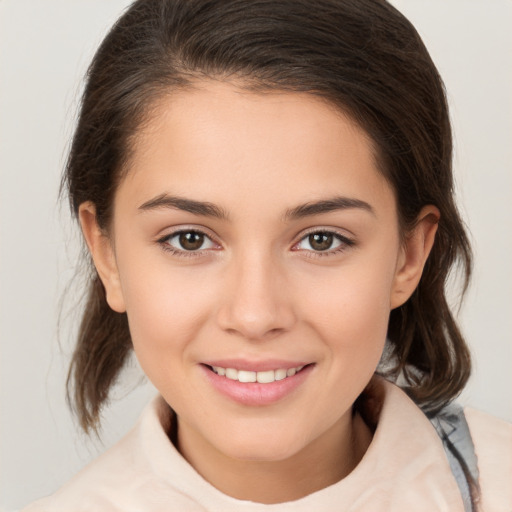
(262, 377)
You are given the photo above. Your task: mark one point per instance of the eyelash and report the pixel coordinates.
(345, 243)
(183, 253)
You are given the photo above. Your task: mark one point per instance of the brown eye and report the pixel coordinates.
(191, 240)
(188, 241)
(321, 241)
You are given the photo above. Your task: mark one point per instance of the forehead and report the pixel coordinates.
(217, 139)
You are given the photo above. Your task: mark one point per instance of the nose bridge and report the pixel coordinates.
(255, 304)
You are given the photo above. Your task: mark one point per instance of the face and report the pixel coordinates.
(253, 236)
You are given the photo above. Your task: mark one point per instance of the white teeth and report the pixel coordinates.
(231, 373)
(280, 374)
(244, 376)
(265, 377)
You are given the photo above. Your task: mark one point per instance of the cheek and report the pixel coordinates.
(350, 309)
(166, 308)
(348, 314)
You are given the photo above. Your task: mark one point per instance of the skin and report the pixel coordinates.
(257, 289)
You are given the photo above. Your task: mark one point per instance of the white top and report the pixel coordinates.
(404, 469)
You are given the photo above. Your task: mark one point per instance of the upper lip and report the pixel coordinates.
(256, 366)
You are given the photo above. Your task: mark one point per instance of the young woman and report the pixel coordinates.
(266, 193)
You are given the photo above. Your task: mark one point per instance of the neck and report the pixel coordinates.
(325, 461)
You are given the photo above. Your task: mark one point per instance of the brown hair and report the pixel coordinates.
(361, 55)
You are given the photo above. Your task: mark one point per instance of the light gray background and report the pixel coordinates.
(45, 47)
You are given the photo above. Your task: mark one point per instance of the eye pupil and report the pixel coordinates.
(321, 241)
(191, 241)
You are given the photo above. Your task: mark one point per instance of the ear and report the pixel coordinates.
(414, 254)
(102, 252)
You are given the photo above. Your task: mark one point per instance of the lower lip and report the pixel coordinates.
(254, 393)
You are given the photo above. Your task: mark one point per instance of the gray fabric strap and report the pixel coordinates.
(451, 426)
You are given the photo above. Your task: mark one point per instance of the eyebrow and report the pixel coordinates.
(164, 201)
(326, 206)
(207, 209)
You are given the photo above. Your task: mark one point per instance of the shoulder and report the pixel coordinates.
(124, 478)
(97, 484)
(492, 438)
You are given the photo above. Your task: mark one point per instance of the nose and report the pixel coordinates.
(255, 303)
